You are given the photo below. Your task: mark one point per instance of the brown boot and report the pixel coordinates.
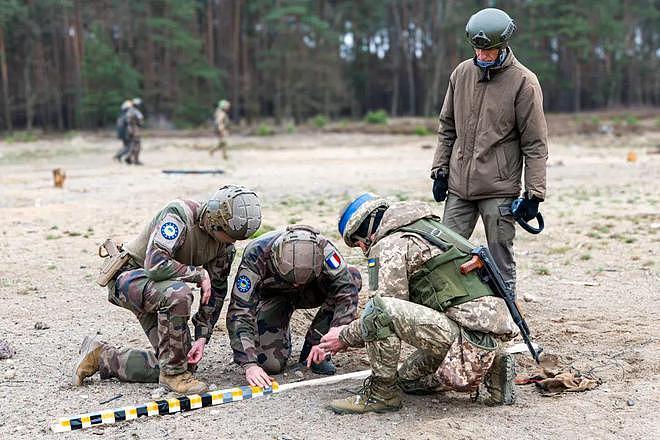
(183, 383)
(500, 380)
(376, 395)
(88, 361)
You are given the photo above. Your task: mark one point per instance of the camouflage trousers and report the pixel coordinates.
(462, 215)
(274, 316)
(163, 310)
(431, 332)
(222, 146)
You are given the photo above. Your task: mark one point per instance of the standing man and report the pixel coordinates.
(491, 127)
(122, 131)
(421, 298)
(279, 273)
(185, 242)
(134, 120)
(220, 121)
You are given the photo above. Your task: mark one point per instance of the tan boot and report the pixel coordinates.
(88, 361)
(500, 380)
(375, 396)
(183, 383)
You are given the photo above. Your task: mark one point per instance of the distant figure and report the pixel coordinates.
(221, 119)
(122, 132)
(134, 120)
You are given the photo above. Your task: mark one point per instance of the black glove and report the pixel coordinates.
(440, 185)
(525, 207)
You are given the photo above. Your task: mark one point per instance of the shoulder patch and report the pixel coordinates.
(333, 261)
(243, 283)
(169, 230)
(373, 265)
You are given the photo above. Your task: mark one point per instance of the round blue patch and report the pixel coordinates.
(243, 283)
(169, 231)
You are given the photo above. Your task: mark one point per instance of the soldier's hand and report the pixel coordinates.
(440, 186)
(257, 377)
(196, 353)
(316, 356)
(205, 285)
(331, 343)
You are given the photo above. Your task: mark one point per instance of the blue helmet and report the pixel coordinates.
(355, 213)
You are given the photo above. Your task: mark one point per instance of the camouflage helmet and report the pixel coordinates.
(489, 28)
(137, 102)
(235, 210)
(297, 255)
(223, 104)
(356, 212)
(126, 104)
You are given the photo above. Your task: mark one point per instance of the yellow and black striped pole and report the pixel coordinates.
(161, 407)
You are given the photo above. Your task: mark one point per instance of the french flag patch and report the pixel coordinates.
(333, 260)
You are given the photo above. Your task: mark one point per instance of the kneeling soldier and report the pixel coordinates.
(279, 273)
(422, 299)
(185, 242)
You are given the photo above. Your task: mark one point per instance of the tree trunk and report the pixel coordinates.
(210, 50)
(236, 59)
(396, 61)
(5, 79)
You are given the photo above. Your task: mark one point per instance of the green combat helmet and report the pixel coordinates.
(355, 213)
(223, 104)
(235, 210)
(297, 256)
(489, 28)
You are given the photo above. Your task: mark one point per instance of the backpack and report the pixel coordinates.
(122, 126)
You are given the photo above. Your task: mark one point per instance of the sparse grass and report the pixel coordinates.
(294, 220)
(265, 130)
(593, 234)
(320, 121)
(585, 257)
(262, 230)
(630, 240)
(52, 237)
(376, 117)
(542, 270)
(421, 130)
(601, 229)
(73, 233)
(648, 263)
(52, 267)
(559, 250)
(21, 136)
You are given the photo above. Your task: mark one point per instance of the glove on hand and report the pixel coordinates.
(525, 208)
(440, 186)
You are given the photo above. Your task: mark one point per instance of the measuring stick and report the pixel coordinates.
(188, 403)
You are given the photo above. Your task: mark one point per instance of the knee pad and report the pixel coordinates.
(270, 364)
(375, 322)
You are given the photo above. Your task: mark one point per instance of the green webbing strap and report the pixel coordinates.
(432, 229)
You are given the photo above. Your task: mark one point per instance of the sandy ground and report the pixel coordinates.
(589, 283)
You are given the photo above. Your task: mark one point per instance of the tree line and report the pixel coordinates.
(68, 64)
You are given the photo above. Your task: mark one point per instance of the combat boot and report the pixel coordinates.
(376, 395)
(325, 367)
(500, 380)
(183, 383)
(416, 387)
(88, 361)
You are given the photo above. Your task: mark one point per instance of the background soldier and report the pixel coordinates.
(279, 273)
(185, 242)
(134, 120)
(491, 124)
(122, 131)
(422, 299)
(220, 121)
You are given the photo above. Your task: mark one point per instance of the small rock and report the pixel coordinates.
(10, 374)
(299, 374)
(213, 387)
(435, 400)
(40, 325)
(158, 393)
(631, 402)
(84, 396)
(529, 298)
(6, 350)
(215, 412)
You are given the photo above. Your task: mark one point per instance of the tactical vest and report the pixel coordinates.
(439, 284)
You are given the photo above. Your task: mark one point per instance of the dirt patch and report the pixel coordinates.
(589, 283)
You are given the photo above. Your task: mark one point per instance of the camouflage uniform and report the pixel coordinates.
(452, 346)
(220, 120)
(171, 251)
(134, 119)
(262, 303)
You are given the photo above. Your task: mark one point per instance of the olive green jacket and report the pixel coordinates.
(490, 128)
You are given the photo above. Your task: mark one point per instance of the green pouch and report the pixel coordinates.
(440, 284)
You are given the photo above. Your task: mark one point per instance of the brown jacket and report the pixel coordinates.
(488, 128)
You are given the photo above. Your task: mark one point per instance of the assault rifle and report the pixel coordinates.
(482, 260)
